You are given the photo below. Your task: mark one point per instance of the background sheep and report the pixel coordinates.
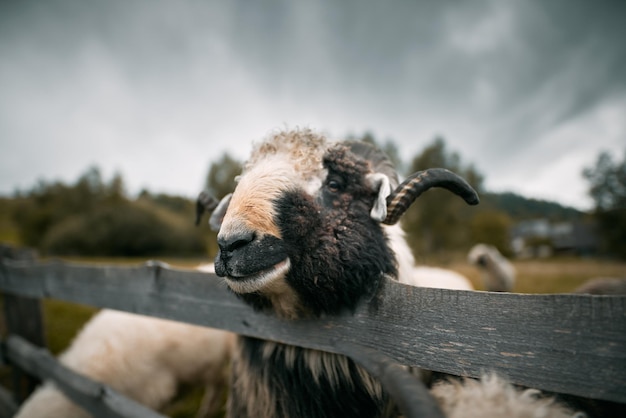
(143, 358)
(497, 272)
(603, 286)
(301, 236)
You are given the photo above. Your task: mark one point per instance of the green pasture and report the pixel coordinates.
(557, 275)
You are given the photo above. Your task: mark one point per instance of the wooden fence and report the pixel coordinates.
(566, 343)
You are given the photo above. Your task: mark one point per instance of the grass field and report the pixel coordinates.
(557, 275)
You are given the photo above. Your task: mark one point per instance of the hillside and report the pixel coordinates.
(521, 208)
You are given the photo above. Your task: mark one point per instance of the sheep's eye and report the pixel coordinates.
(334, 185)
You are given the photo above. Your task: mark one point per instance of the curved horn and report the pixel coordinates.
(416, 184)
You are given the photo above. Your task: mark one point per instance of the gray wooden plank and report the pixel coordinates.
(574, 344)
(24, 317)
(97, 398)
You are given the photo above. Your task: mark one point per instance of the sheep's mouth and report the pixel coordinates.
(250, 262)
(258, 280)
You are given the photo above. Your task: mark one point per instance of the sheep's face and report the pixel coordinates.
(298, 236)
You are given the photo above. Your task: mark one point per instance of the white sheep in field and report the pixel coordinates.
(498, 273)
(310, 230)
(143, 358)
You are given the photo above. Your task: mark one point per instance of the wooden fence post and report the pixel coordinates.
(23, 317)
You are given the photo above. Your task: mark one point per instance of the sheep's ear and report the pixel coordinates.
(218, 214)
(380, 183)
(205, 203)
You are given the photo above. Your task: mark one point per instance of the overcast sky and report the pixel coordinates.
(528, 91)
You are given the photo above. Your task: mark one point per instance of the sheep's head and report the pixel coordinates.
(302, 233)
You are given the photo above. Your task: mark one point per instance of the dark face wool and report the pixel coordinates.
(338, 252)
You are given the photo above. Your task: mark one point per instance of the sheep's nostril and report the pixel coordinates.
(235, 241)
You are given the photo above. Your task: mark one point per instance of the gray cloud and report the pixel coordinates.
(159, 89)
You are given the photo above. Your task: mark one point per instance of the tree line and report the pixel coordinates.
(93, 217)
(96, 217)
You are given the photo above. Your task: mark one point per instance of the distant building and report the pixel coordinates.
(541, 238)
(578, 237)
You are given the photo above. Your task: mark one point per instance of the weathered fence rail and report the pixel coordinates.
(573, 344)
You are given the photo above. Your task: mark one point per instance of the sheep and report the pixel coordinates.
(143, 358)
(497, 272)
(311, 230)
(603, 286)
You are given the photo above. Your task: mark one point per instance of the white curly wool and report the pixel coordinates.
(494, 397)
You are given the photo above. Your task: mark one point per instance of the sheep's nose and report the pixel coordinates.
(235, 241)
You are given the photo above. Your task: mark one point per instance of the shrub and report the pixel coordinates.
(125, 229)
